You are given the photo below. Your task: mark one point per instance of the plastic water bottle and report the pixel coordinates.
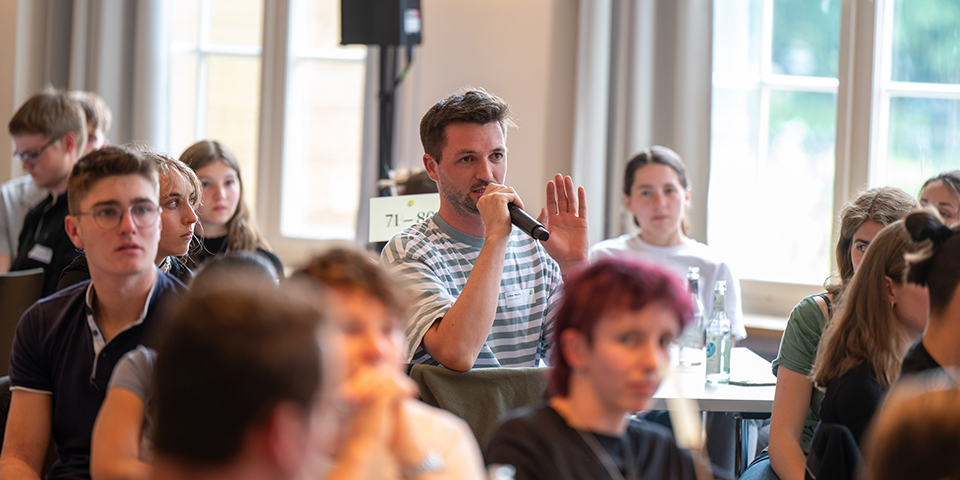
(719, 339)
(692, 339)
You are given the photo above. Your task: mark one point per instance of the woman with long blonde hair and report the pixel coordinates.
(862, 349)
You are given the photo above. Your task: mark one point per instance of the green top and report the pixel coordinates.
(798, 349)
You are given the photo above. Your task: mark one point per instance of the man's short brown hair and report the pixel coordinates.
(227, 357)
(97, 112)
(472, 106)
(109, 161)
(53, 114)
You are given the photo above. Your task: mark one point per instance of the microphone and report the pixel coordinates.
(528, 224)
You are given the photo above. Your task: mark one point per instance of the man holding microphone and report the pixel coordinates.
(484, 291)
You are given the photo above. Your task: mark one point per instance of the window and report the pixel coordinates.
(773, 137)
(214, 78)
(323, 126)
(918, 105)
(217, 51)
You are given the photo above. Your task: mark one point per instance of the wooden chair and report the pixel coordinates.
(18, 290)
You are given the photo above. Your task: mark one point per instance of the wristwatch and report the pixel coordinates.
(432, 462)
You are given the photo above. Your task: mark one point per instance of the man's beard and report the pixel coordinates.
(462, 202)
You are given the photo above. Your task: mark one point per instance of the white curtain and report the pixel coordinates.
(644, 70)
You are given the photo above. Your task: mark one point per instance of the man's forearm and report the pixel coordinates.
(17, 468)
(456, 339)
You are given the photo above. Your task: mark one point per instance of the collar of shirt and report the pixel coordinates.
(98, 341)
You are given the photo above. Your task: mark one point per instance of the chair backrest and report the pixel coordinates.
(481, 396)
(18, 290)
(834, 454)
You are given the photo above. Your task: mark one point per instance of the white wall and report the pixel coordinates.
(523, 51)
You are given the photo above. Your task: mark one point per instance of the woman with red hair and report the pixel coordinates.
(611, 338)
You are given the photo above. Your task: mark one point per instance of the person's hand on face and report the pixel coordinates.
(493, 209)
(373, 396)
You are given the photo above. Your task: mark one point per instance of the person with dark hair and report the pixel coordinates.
(657, 194)
(916, 434)
(943, 193)
(411, 436)
(49, 133)
(612, 335)
(122, 442)
(67, 344)
(484, 289)
(796, 404)
(936, 266)
(882, 313)
(225, 221)
(238, 392)
(179, 200)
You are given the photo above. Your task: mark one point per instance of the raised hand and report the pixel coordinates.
(565, 217)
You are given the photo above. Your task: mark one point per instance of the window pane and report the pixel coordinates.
(772, 142)
(236, 22)
(321, 168)
(183, 101)
(926, 41)
(924, 140)
(806, 37)
(185, 21)
(233, 112)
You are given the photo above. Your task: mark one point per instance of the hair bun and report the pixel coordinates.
(924, 225)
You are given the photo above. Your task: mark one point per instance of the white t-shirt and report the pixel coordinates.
(17, 197)
(677, 259)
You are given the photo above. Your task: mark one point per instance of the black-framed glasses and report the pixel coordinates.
(108, 216)
(28, 158)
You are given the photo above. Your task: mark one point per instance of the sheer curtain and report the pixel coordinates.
(643, 78)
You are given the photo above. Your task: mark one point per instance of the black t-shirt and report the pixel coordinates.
(540, 444)
(211, 247)
(44, 242)
(918, 360)
(852, 399)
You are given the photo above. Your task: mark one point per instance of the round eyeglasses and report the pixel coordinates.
(109, 216)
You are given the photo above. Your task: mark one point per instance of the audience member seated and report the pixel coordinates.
(484, 289)
(179, 200)
(613, 331)
(122, 443)
(21, 194)
(49, 132)
(67, 344)
(241, 394)
(881, 315)
(99, 117)
(936, 266)
(386, 434)
(916, 434)
(225, 223)
(796, 404)
(942, 193)
(657, 194)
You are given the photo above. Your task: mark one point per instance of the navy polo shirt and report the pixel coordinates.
(58, 349)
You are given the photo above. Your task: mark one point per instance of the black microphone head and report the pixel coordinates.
(540, 234)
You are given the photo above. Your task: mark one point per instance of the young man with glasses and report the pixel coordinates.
(67, 344)
(49, 132)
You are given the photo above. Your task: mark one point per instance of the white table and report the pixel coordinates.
(753, 401)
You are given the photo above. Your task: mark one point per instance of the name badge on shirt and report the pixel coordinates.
(518, 298)
(41, 253)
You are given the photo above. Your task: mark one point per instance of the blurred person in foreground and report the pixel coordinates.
(386, 432)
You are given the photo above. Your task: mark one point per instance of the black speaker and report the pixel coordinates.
(380, 22)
